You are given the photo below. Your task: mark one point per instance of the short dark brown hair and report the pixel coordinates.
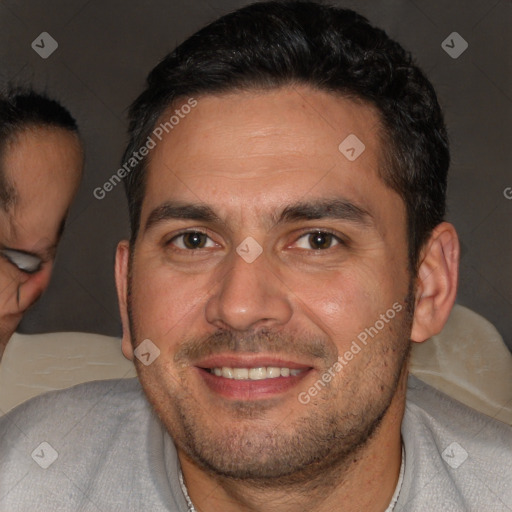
(20, 109)
(273, 44)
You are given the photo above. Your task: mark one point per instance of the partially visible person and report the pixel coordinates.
(41, 163)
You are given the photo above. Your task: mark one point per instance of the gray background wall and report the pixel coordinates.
(106, 48)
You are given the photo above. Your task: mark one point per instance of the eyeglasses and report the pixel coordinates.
(26, 262)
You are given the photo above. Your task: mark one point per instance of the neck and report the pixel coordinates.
(366, 481)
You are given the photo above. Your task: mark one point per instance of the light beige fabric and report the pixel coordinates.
(468, 361)
(33, 364)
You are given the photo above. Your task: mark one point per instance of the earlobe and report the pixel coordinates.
(121, 274)
(436, 282)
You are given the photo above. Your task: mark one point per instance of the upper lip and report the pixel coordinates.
(249, 361)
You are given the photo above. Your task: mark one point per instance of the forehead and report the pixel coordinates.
(41, 157)
(44, 166)
(254, 150)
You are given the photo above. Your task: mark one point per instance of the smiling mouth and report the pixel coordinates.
(250, 376)
(250, 383)
(254, 373)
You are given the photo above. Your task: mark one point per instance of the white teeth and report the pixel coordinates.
(273, 371)
(241, 373)
(227, 372)
(257, 373)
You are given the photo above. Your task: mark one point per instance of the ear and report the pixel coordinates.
(121, 271)
(437, 279)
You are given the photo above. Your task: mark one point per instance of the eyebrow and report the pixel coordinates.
(337, 209)
(49, 252)
(42, 257)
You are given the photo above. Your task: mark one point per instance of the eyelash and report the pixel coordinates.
(340, 241)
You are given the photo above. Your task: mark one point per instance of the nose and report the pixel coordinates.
(33, 287)
(250, 295)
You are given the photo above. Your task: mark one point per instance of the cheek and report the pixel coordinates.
(339, 300)
(345, 303)
(165, 305)
(46, 276)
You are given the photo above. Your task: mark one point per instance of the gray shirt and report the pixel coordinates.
(99, 447)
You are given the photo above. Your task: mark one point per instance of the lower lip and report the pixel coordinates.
(250, 389)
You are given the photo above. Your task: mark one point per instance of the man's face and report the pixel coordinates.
(304, 252)
(44, 167)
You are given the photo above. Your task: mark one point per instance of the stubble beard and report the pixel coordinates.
(312, 449)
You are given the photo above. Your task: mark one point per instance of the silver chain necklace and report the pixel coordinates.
(390, 508)
(190, 505)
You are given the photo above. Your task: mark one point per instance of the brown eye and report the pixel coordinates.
(191, 240)
(194, 240)
(318, 240)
